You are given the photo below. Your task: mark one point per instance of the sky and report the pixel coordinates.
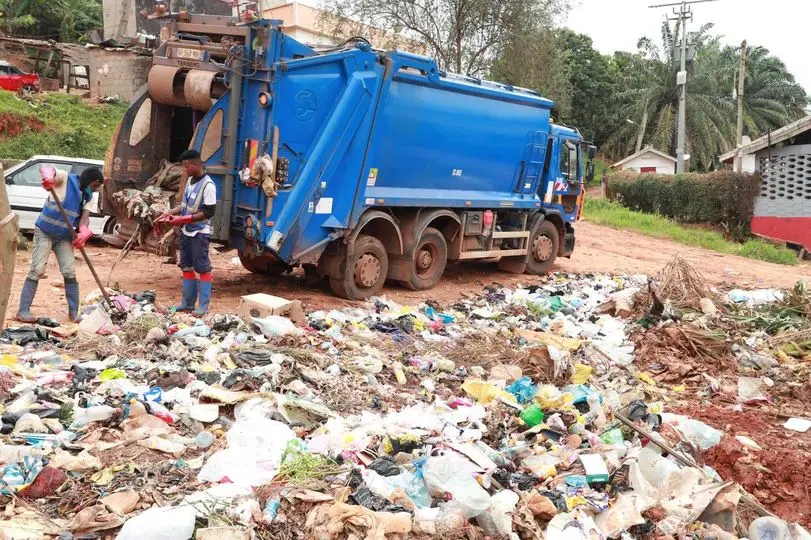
(779, 25)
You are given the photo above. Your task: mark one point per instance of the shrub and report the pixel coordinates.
(721, 199)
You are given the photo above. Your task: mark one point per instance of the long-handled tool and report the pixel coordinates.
(84, 254)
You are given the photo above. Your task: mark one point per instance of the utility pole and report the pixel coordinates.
(739, 137)
(682, 15)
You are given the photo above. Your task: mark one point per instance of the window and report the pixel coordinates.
(15, 70)
(568, 161)
(142, 122)
(29, 176)
(4, 70)
(82, 167)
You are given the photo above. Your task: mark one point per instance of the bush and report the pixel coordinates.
(721, 199)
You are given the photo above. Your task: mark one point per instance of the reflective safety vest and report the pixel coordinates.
(192, 199)
(50, 220)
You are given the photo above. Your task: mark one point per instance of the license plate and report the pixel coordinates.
(192, 54)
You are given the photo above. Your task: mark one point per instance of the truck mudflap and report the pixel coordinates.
(568, 241)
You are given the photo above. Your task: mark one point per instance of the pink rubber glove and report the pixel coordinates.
(82, 237)
(176, 221)
(48, 176)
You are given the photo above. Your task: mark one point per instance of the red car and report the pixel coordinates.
(15, 80)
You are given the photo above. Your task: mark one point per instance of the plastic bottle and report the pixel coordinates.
(136, 408)
(22, 403)
(162, 412)
(399, 374)
(769, 528)
(596, 411)
(97, 413)
(163, 445)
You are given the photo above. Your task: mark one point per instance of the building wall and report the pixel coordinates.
(117, 72)
(662, 164)
(785, 189)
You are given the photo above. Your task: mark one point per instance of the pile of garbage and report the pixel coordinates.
(528, 413)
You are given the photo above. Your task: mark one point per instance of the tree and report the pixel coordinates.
(15, 15)
(463, 35)
(650, 97)
(591, 85)
(534, 60)
(66, 20)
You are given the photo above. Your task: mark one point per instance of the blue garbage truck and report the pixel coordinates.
(357, 164)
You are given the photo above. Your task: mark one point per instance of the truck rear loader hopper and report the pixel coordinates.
(367, 165)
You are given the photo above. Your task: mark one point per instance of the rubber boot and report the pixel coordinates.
(26, 299)
(188, 294)
(72, 294)
(204, 288)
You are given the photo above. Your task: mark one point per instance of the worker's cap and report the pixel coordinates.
(47, 173)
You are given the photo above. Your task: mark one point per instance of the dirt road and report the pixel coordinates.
(599, 249)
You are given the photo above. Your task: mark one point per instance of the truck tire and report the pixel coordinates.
(364, 273)
(543, 248)
(262, 265)
(428, 262)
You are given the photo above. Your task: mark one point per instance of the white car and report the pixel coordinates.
(27, 198)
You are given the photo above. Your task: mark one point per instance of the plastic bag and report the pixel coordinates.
(522, 389)
(275, 326)
(255, 449)
(497, 521)
(167, 523)
(453, 474)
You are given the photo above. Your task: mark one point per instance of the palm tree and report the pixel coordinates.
(651, 100)
(650, 97)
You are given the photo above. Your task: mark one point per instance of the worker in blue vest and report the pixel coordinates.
(53, 234)
(193, 216)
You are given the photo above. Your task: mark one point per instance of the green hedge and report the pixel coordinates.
(722, 199)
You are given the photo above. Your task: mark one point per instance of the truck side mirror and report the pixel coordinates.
(591, 151)
(9, 181)
(590, 169)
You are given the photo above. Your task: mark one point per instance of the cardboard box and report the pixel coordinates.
(261, 305)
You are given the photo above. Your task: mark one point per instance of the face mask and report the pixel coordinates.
(88, 192)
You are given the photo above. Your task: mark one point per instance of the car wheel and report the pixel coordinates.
(111, 226)
(27, 91)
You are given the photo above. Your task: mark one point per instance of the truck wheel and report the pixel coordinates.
(364, 273)
(428, 262)
(543, 248)
(261, 265)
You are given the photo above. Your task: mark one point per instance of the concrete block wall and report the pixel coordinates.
(117, 72)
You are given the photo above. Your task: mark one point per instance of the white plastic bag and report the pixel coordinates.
(275, 326)
(253, 456)
(166, 523)
(453, 474)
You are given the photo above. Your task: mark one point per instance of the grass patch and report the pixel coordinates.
(612, 214)
(72, 127)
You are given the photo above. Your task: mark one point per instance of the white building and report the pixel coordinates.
(647, 160)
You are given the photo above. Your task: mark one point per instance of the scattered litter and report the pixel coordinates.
(579, 406)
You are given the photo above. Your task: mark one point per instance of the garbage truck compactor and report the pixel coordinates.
(360, 165)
